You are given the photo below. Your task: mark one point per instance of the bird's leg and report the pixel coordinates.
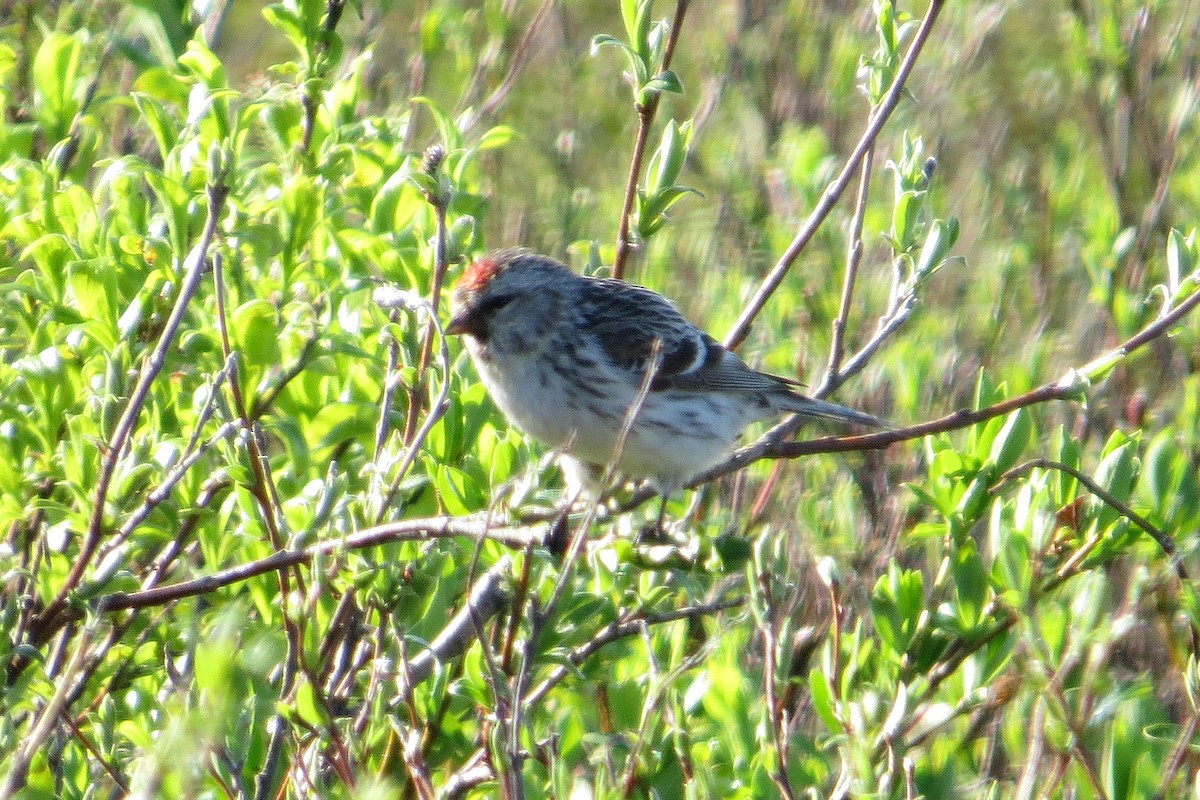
(657, 532)
(558, 538)
(662, 514)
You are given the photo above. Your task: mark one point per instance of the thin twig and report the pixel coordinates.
(409, 530)
(42, 725)
(486, 599)
(433, 157)
(194, 267)
(645, 113)
(90, 746)
(776, 714)
(1164, 539)
(520, 57)
(834, 190)
(854, 252)
(439, 409)
(621, 629)
(263, 402)
(309, 100)
(773, 445)
(1179, 753)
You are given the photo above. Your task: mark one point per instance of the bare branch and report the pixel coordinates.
(833, 192)
(620, 629)
(1164, 539)
(402, 531)
(854, 251)
(194, 267)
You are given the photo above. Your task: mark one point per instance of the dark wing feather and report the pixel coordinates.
(626, 319)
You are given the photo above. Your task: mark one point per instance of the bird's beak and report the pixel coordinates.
(462, 322)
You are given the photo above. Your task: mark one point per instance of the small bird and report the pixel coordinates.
(564, 357)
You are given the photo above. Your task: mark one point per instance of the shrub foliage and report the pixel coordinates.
(265, 535)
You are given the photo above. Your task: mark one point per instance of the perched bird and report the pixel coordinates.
(564, 357)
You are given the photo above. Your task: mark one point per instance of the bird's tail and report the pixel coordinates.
(808, 407)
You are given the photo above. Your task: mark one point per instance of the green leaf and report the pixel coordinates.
(451, 135)
(651, 210)
(1181, 259)
(638, 67)
(8, 60)
(606, 40)
(162, 128)
(639, 37)
(662, 82)
(280, 17)
(307, 706)
(904, 219)
(55, 83)
(941, 237)
(734, 551)
(255, 328)
(629, 18)
(821, 693)
(897, 601)
(1116, 473)
(667, 161)
(970, 583)
(458, 491)
(496, 137)
(1011, 441)
(204, 64)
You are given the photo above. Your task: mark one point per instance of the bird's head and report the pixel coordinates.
(509, 298)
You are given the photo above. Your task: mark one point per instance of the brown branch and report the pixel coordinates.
(1164, 539)
(487, 597)
(1072, 385)
(645, 112)
(309, 100)
(402, 531)
(837, 347)
(520, 56)
(771, 447)
(193, 272)
(834, 190)
(620, 629)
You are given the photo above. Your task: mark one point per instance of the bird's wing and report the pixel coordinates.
(626, 320)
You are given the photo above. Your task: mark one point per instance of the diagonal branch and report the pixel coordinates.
(193, 272)
(403, 531)
(834, 190)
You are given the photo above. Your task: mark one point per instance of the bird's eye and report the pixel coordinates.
(490, 305)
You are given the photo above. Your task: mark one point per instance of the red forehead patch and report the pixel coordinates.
(478, 274)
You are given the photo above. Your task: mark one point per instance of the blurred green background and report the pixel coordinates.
(944, 618)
